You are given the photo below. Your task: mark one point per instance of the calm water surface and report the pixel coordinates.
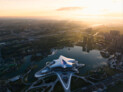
(92, 60)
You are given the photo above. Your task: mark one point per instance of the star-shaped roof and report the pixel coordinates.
(63, 62)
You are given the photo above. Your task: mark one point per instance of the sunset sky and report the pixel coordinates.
(61, 8)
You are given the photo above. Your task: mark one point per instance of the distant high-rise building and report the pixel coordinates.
(114, 32)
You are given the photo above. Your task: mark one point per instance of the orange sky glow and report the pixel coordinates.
(69, 9)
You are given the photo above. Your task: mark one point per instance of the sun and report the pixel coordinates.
(99, 7)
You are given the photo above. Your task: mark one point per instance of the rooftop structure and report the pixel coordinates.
(63, 68)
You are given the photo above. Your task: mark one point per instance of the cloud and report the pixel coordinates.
(69, 8)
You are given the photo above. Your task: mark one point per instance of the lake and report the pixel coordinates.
(92, 60)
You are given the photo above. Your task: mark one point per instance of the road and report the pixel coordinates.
(102, 84)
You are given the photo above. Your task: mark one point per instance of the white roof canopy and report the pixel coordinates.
(63, 62)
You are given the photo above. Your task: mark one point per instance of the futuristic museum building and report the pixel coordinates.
(63, 67)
